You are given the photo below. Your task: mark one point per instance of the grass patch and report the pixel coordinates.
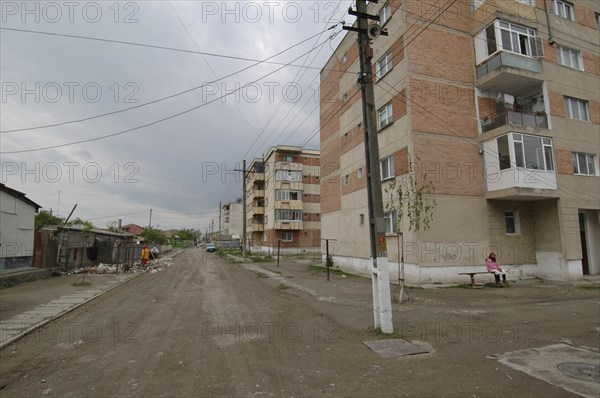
(282, 287)
(323, 270)
(462, 286)
(589, 287)
(261, 259)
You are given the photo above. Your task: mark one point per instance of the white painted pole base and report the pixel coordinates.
(382, 302)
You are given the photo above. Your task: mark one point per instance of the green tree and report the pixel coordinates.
(113, 226)
(45, 218)
(153, 235)
(188, 234)
(87, 225)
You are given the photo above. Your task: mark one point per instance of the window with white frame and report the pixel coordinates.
(528, 151)
(527, 2)
(569, 57)
(385, 115)
(286, 194)
(505, 36)
(288, 175)
(288, 215)
(385, 13)
(563, 9)
(384, 65)
(584, 164)
(512, 222)
(576, 109)
(286, 236)
(391, 220)
(387, 167)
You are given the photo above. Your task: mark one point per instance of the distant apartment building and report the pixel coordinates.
(283, 200)
(232, 215)
(496, 103)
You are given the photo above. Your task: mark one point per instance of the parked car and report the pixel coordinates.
(211, 248)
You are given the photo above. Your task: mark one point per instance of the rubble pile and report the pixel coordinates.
(99, 269)
(158, 264)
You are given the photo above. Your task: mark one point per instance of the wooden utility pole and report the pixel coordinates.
(150, 221)
(382, 305)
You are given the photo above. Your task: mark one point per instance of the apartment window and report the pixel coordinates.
(346, 179)
(384, 65)
(286, 236)
(527, 2)
(512, 222)
(576, 109)
(391, 220)
(286, 194)
(288, 175)
(563, 9)
(504, 36)
(387, 167)
(288, 158)
(584, 164)
(529, 151)
(361, 219)
(288, 215)
(569, 57)
(385, 13)
(385, 115)
(597, 21)
(359, 173)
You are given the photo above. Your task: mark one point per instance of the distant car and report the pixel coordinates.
(211, 248)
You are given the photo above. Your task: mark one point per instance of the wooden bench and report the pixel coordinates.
(472, 275)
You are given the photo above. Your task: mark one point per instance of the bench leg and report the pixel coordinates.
(472, 280)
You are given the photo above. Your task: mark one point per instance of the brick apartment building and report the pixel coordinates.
(283, 200)
(496, 103)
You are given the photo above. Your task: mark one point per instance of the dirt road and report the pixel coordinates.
(207, 328)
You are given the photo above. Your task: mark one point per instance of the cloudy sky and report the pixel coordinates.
(121, 128)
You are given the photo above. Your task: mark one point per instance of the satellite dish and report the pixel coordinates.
(373, 31)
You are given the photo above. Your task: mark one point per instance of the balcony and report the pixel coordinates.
(288, 225)
(255, 227)
(512, 118)
(289, 204)
(288, 166)
(257, 176)
(258, 193)
(508, 72)
(256, 209)
(520, 167)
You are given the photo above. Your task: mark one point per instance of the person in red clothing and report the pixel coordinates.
(493, 267)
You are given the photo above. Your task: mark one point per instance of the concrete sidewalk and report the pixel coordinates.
(30, 305)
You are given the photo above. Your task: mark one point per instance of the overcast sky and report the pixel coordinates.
(180, 167)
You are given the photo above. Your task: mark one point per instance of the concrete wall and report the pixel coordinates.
(16, 232)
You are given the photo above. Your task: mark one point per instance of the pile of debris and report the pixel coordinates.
(99, 269)
(158, 264)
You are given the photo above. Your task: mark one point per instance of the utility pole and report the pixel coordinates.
(382, 305)
(245, 211)
(219, 222)
(150, 221)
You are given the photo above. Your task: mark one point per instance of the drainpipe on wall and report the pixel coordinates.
(551, 40)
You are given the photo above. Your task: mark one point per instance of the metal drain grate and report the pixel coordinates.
(583, 371)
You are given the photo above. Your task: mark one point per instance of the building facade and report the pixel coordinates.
(495, 104)
(17, 227)
(232, 216)
(283, 200)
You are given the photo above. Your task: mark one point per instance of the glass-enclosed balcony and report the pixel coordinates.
(514, 118)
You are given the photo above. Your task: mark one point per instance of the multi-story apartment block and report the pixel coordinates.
(283, 200)
(232, 216)
(496, 103)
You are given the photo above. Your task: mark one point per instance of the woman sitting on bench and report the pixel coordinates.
(494, 268)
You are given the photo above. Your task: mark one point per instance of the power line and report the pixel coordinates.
(159, 99)
(156, 121)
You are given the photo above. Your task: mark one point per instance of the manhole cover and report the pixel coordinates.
(583, 371)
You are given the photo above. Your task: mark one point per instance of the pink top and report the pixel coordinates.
(492, 265)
